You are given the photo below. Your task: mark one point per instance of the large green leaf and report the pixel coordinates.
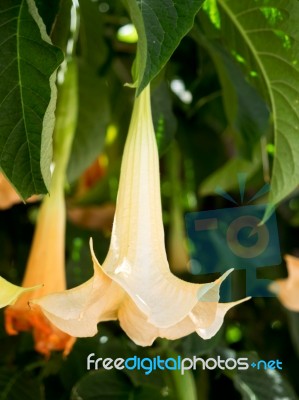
(263, 37)
(27, 96)
(161, 24)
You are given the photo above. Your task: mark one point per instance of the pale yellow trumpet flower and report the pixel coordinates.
(135, 284)
(46, 265)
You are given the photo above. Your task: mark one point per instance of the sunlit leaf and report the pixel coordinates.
(264, 39)
(27, 97)
(246, 111)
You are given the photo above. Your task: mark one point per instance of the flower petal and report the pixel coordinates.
(77, 311)
(143, 333)
(9, 293)
(137, 258)
(293, 267)
(222, 309)
(287, 289)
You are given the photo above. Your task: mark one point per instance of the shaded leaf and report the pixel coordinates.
(27, 97)
(160, 25)
(261, 384)
(48, 10)
(93, 118)
(193, 345)
(16, 385)
(114, 385)
(227, 176)
(93, 47)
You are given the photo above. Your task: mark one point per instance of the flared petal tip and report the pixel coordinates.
(9, 293)
(222, 309)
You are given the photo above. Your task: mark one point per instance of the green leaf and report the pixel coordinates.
(93, 47)
(227, 176)
(102, 385)
(16, 385)
(114, 385)
(48, 10)
(246, 111)
(27, 97)
(264, 39)
(94, 110)
(93, 118)
(193, 345)
(160, 25)
(261, 384)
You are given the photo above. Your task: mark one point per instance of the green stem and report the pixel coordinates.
(66, 119)
(184, 385)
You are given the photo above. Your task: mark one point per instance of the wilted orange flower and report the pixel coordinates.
(287, 290)
(135, 284)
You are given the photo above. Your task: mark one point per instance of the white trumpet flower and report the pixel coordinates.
(135, 284)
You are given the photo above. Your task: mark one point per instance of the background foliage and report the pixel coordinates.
(225, 92)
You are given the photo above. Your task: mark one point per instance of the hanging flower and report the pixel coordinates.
(287, 289)
(135, 284)
(46, 263)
